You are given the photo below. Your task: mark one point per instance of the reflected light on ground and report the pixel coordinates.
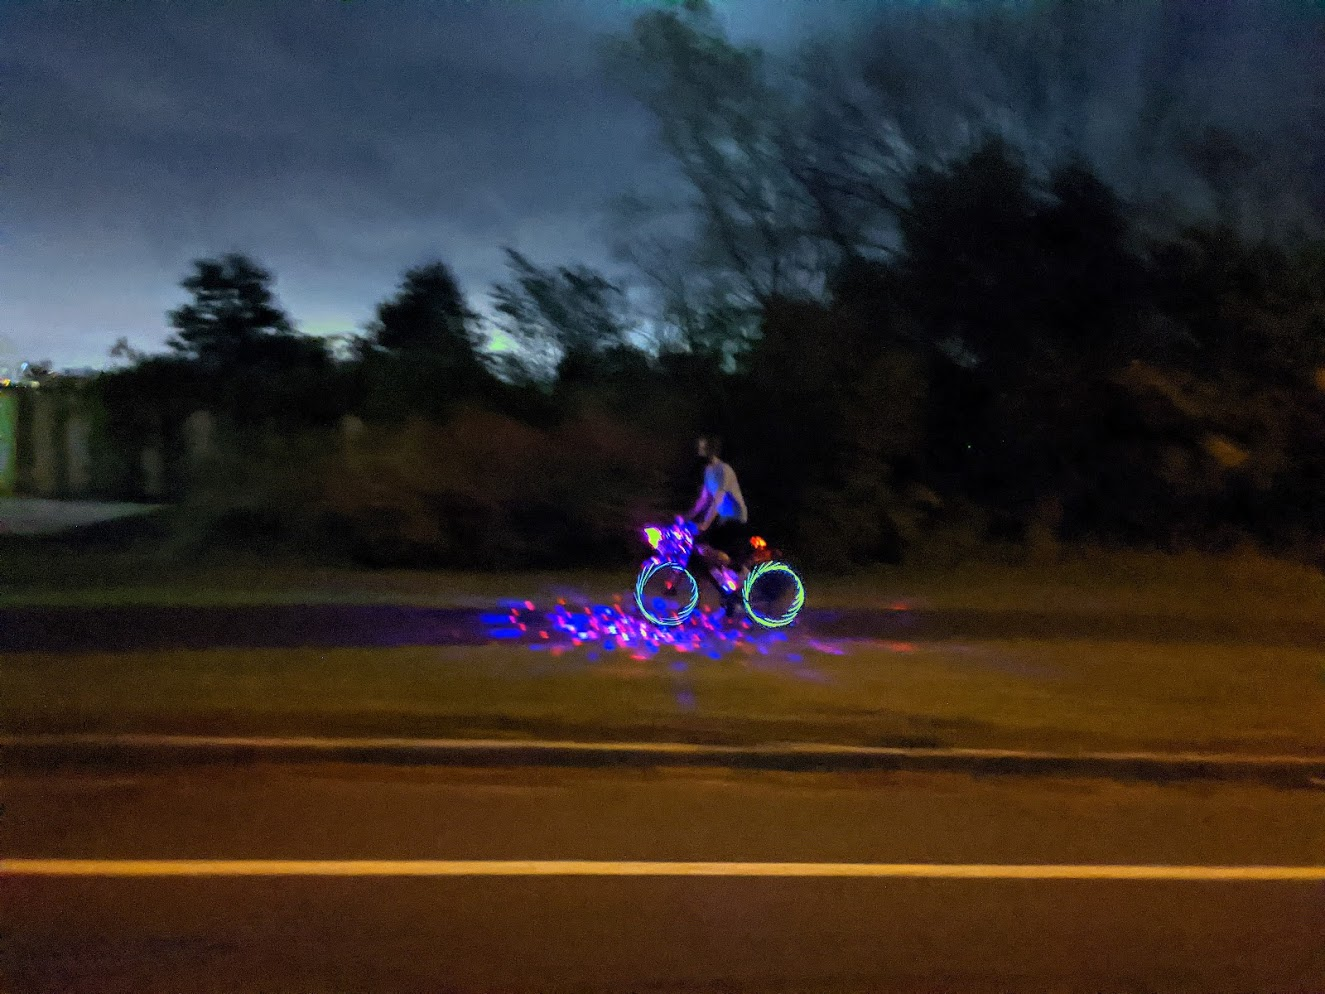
(618, 627)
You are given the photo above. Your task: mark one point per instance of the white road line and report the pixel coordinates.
(312, 743)
(588, 868)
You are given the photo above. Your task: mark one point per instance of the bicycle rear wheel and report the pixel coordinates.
(773, 595)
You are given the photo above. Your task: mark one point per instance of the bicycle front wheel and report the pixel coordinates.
(666, 593)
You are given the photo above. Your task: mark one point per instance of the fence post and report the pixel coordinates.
(154, 472)
(45, 472)
(198, 438)
(77, 453)
(8, 442)
(351, 431)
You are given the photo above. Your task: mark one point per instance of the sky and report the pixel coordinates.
(340, 142)
(336, 141)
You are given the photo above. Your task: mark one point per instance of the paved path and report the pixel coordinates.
(36, 516)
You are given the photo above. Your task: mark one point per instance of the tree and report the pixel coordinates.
(827, 404)
(1093, 285)
(232, 314)
(1253, 313)
(724, 126)
(237, 350)
(422, 357)
(123, 350)
(571, 316)
(970, 264)
(696, 310)
(914, 83)
(1032, 298)
(427, 314)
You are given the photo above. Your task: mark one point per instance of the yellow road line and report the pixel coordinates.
(593, 868)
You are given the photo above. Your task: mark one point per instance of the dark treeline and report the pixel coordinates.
(974, 337)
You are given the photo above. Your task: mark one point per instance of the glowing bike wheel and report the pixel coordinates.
(666, 593)
(773, 595)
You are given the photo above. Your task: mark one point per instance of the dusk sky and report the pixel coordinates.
(342, 141)
(337, 142)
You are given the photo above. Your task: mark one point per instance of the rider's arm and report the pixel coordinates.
(708, 518)
(699, 502)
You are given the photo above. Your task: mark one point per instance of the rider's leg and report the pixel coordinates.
(713, 564)
(741, 560)
(727, 545)
(713, 568)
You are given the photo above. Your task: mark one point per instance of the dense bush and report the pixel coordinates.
(261, 490)
(485, 491)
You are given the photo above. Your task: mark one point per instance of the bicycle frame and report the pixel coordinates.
(675, 543)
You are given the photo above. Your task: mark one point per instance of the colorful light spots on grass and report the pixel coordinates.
(619, 628)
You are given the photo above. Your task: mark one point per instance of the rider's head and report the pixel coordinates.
(709, 448)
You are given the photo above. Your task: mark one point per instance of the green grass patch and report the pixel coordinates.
(1244, 591)
(58, 577)
(992, 694)
(1243, 585)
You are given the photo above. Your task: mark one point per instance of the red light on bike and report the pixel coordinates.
(758, 543)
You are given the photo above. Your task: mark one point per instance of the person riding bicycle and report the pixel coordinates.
(720, 508)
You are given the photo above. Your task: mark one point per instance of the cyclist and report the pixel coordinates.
(720, 512)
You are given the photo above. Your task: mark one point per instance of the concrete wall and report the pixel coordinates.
(45, 446)
(60, 441)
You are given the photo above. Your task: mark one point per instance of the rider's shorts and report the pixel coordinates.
(731, 536)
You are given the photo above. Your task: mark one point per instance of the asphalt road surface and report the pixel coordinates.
(145, 628)
(266, 918)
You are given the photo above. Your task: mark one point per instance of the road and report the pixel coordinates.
(877, 930)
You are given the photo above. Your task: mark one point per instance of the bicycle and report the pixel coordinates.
(758, 578)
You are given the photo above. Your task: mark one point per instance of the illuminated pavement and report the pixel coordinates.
(881, 914)
(143, 628)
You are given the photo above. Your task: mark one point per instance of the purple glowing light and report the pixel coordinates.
(620, 628)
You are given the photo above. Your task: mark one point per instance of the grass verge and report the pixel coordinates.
(1041, 695)
(1082, 581)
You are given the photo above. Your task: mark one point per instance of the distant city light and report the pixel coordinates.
(9, 378)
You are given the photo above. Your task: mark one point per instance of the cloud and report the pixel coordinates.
(341, 142)
(337, 142)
